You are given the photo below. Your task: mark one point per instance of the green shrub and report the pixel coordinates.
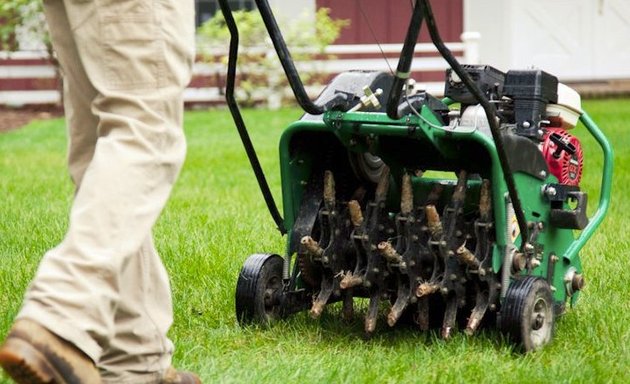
(22, 18)
(260, 73)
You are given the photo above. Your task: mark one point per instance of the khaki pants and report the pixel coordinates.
(104, 288)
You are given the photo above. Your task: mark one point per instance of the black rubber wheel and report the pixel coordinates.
(258, 289)
(527, 315)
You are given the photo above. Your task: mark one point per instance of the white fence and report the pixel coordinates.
(30, 68)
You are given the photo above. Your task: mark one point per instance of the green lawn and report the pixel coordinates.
(216, 218)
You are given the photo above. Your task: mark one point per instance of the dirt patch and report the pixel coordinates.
(14, 118)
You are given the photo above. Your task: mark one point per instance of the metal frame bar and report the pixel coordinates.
(605, 188)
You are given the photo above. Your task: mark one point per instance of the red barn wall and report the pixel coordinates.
(389, 19)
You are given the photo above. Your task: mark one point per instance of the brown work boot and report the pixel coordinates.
(172, 376)
(32, 354)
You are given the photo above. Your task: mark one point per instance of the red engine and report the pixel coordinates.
(564, 156)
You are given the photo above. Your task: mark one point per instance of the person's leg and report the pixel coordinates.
(78, 91)
(78, 95)
(140, 351)
(91, 289)
(31, 353)
(137, 327)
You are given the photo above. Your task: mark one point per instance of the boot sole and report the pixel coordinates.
(26, 365)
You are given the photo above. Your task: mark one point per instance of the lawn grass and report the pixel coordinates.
(216, 218)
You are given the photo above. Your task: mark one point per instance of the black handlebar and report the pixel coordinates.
(491, 115)
(422, 10)
(238, 119)
(295, 82)
(404, 63)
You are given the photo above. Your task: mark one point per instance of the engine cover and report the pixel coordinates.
(564, 156)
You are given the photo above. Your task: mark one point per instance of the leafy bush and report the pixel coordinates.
(22, 21)
(260, 73)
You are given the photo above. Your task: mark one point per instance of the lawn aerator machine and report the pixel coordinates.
(456, 211)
